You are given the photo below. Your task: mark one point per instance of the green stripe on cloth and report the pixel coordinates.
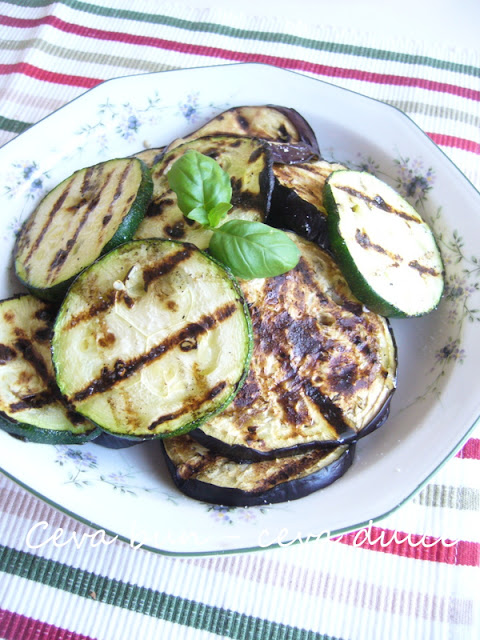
(460, 498)
(276, 37)
(224, 622)
(427, 109)
(14, 126)
(82, 56)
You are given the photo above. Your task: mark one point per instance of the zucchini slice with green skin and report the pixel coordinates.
(152, 339)
(386, 251)
(249, 166)
(323, 369)
(210, 477)
(91, 212)
(31, 405)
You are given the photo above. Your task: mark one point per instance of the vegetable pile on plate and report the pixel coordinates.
(228, 295)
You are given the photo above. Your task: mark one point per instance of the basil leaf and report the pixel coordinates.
(199, 182)
(218, 213)
(253, 249)
(199, 215)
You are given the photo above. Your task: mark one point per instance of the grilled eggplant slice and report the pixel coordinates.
(110, 441)
(297, 199)
(387, 252)
(213, 478)
(152, 339)
(288, 135)
(89, 213)
(31, 405)
(150, 156)
(323, 368)
(249, 165)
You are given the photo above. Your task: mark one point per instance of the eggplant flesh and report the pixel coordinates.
(203, 475)
(297, 199)
(249, 164)
(323, 368)
(150, 156)
(288, 135)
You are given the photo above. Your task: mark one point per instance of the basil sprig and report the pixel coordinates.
(249, 249)
(203, 188)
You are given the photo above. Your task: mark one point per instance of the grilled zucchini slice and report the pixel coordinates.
(323, 368)
(31, 405)
(91, 212)
(152, 339)
(288, 135)
(387, 252)
(249, 165)
(204, 475)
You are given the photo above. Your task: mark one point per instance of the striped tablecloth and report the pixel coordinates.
(51, 52)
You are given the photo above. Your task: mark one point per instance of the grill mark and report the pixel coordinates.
(167, 265)
(87, 178)
(364, 241)
(92, 311)
(149, 275)
(308, 277)
(310, 281)
(288, 469)
(52, 392)
(53, 211)
(156, 207)
(306, 342)
(422, 269)
(175, 231)
(33, 401)
(123, 370)
(283, 134)
(242, 122)
(255, 155)
(62, 254)
(378, 202)
(118, 192)
(244, 199)
(6, 354)
(43, 335)
(195, 466)
(332, 414)
(26, 348)
(47, 314)
(192, 405)
(248, 393)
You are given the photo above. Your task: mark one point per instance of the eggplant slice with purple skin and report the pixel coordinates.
(288, 135)
(297, 199)
(203, 475)
(323, 368)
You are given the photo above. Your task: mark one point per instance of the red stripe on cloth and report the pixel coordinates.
(471, 450)
(48, 76)
(14, 626)
(237, 56)
(411, 545)
(453, 141)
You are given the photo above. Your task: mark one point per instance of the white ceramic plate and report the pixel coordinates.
(128, 492)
